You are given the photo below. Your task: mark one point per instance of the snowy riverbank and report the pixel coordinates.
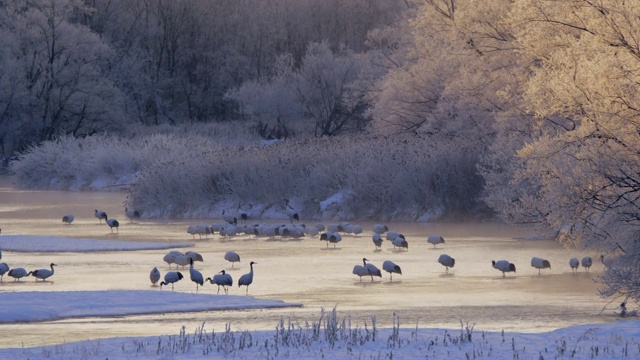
(332, 337)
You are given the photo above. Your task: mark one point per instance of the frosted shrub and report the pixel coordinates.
(381, 178)
(35, 167)
(193, 176)
(97, 161)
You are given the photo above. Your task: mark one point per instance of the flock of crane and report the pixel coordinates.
(18, 273)
(231, 227)
(221, 279)
(102, 215)
(398, 240)
(330, 234)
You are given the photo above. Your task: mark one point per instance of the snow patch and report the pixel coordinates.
(29, 306)
(36, 243)
(270, 142)
(125, 180)
(433, 214)
(99, 183)
(335, 199)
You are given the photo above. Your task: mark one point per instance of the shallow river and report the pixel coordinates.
(302, 271)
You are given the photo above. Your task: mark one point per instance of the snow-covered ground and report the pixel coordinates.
(56, 305)
(39, 243)
(334, 337)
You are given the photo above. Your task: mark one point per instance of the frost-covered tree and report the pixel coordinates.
(452, 71)
(557, 82)
(326, 87)
(54, 74)
(271, 101)
(452, 58)
(172, 61)
(576, 172)
(177, 59)
(13, 95)
(320, 97)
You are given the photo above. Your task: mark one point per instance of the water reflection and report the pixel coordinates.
(303, 271)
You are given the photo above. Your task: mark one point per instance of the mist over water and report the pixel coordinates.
(301, 271)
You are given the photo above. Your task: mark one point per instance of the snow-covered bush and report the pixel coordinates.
(194, 176)
(372, 178)
(96, 162)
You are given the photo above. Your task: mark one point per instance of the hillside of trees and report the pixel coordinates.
(529, 108)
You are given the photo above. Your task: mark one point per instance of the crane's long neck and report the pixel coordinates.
(251, 271)
(52, 269)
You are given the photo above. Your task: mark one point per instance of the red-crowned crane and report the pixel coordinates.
(43, 274)
(171, 277)
(504, 266)
(247, 279)
(390, 267)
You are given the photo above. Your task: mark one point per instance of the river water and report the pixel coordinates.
(301, 271)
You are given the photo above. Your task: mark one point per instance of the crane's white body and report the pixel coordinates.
(221, 279)
(335, 238)
(380, 228)
(131, 214)
(435, 240)
(331, 237)
(447, 261)
(43, 274)
(587, 262)
(232, 257)
(540, 264)
(154, 276)
(607, 261)
(199, 229)
(311, 230)
(574, 263)
(360, 271)
(4, 268)
(68, 219)
(392, 235)
(504, 266)
(171, 277)
(247, 279)
(229, 218)
(170, 257)
(194, 256)
(400, 242)
(100, 215)
(113, 223)
(373, 270)
(18, 273)
(377, 240)
(195, 275)
(182, 260)
(390, 267)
